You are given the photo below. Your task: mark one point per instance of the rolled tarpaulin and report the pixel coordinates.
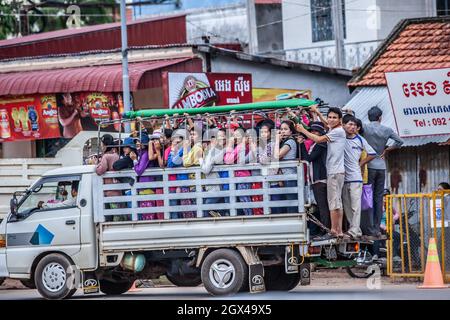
(279, 104)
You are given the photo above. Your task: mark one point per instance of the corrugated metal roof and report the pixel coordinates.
(106, 78)
(368, 97)
(152, 31)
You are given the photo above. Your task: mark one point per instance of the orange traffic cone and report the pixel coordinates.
(433, 275)
(134, 288)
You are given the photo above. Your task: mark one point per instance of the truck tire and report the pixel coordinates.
(28, 283)
(224, 272)
(52, 279)
(115, 288)
(276, 279)
(1, 281)
(191, 280)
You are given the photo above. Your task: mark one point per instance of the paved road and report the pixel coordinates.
(387, 292)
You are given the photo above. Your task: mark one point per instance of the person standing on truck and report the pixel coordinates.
(336, 140)
(175, 159)
(109, 157)
(125, 162)
(141, 163)
(378, 135)
(317, 157)
(353, 182)
(266, 155)
(192, 153)
(237, 151)
(288, 150)
(214, 156)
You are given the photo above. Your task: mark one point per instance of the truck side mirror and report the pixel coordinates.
(13, 204)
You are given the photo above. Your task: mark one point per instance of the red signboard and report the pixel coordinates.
(28, 118)
(194, 90)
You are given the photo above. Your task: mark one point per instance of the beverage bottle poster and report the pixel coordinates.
(28, 118)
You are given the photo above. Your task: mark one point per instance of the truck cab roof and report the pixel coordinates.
(70, 170)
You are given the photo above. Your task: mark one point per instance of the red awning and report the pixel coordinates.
(96, 78)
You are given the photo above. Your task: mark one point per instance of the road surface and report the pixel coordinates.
(324, 286)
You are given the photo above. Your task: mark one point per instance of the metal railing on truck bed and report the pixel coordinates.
(264, 208)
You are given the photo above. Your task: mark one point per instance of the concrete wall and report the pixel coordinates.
(222, 25)
(330, 88)
(148, 99)
(18, 149)
(397, 10)
(366, 20)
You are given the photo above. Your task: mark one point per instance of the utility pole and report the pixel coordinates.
(125, 78)
(338, 26)
(252, 28)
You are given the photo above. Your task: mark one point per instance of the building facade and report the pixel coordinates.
(308, 31)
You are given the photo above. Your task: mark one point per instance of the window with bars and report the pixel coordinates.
(322, 20)
(443, 7)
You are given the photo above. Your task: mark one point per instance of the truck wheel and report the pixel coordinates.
(276, 279)
(224, 272)
(28, 283)
(191, 280)
(53, 279)
(115, 288)
(1, 281)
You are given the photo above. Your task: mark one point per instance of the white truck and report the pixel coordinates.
(99, 239)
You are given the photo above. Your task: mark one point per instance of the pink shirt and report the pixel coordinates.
(237, 155)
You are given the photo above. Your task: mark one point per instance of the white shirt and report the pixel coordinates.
(335, 150)
(353, 149)
(66, 203)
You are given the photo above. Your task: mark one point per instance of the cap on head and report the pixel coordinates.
(144, 138)
(317, 126)
(155, 136)
(129, 142)
(107, 139)
(181, 133)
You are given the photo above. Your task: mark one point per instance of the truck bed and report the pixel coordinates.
(279, 229)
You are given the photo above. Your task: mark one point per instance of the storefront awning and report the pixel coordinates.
(106, 78)
(368, 97)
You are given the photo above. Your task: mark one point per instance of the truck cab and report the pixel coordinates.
(50, 217)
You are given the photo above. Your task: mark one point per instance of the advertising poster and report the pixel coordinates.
(420, 101)
(28, 118)
(83, 111)
(271, 94)
(195, 90)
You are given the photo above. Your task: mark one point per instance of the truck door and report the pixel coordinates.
(47, 219)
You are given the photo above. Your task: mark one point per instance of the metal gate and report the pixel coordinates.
(411, 220)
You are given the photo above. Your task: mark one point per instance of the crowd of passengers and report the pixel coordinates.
(344, 157)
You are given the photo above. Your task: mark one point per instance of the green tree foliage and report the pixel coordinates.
(42, 16)
(7, 20)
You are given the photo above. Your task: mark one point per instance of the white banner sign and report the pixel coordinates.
(420, 101)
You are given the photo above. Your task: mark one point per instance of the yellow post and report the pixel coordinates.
(442, 231)
(434, 215)
(408, 239)
(402, 254)
(388, 232)
(422, 242)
